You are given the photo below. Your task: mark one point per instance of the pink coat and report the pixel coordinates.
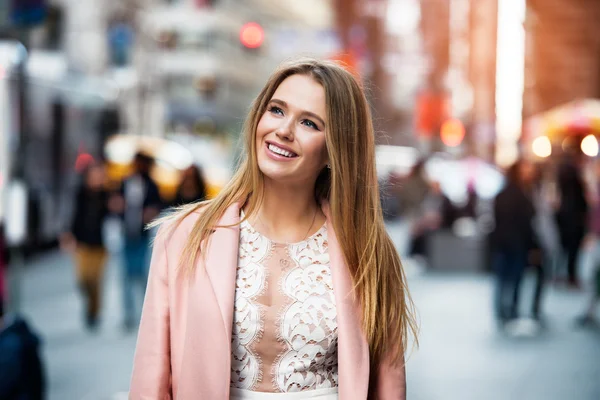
(183, 350)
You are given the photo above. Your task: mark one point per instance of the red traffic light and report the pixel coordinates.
(252, 35)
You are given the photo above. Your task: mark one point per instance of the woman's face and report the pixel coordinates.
(290, 136)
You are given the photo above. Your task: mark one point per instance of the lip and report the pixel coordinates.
(278, 157)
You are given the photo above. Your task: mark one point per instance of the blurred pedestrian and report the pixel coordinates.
(544, 260)
(21, 368)
(414, 189)
(513, 238)
(140, 203)
(571, 215)
(289, 271)
(591, 255)
(22, 375)
(192, 187)
(85, 239)
(588, 318)
(436, 215)
(388, 192)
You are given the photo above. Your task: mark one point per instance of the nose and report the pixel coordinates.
(286, 130)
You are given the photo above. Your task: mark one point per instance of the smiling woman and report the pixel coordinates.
(290, 136)
(286, 285)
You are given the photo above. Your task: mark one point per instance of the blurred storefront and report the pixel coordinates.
(198, 65)
(55, 105)
(184, 70)
(563, 53)
(562, 78)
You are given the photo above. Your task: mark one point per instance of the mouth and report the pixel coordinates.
(279, 152)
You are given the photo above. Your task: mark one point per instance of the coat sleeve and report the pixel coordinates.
(151, 378)
(391, 381)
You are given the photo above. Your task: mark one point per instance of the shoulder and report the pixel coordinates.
(177, 224)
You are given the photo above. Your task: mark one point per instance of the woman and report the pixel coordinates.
(85, 239)
(192, 187)
(287, 281)
(513, 238)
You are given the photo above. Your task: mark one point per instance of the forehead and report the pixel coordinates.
(303, 93)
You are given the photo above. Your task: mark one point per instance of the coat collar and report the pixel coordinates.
(353, 351)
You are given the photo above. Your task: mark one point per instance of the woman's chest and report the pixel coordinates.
(284, 335)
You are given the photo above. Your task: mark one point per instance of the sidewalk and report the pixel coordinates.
(79, 365)
(464, 357)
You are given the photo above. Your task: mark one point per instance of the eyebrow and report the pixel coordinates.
(310, 114)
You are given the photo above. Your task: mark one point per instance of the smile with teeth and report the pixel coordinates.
(281, 152)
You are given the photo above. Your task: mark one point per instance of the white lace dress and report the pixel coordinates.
(284, 340)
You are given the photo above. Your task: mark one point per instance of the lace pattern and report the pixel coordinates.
(247, 327)
(294, 339)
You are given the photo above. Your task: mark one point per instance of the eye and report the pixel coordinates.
(310, 124)
(275, 110)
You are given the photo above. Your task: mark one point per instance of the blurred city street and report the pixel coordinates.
(471, 127)
(462, 355)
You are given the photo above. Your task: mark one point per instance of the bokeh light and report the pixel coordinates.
(252, 35)
(589, 146)
(542, 147)
(452, 132)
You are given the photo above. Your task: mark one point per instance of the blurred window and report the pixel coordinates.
(185, 87)
(191, 40)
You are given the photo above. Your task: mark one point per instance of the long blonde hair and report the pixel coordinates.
(351, 189)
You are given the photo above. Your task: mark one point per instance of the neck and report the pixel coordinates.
(288, 213)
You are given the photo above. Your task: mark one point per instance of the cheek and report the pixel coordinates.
(318, 150)
(265, 125)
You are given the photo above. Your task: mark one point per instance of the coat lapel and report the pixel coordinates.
(221, 263)
(353, 350)
(206, 365)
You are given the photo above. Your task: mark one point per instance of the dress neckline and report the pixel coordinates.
(248, 225)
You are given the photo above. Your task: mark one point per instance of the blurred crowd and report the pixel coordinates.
(545, 219)
(135, 202)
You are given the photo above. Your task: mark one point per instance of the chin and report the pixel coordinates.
(274, 173)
